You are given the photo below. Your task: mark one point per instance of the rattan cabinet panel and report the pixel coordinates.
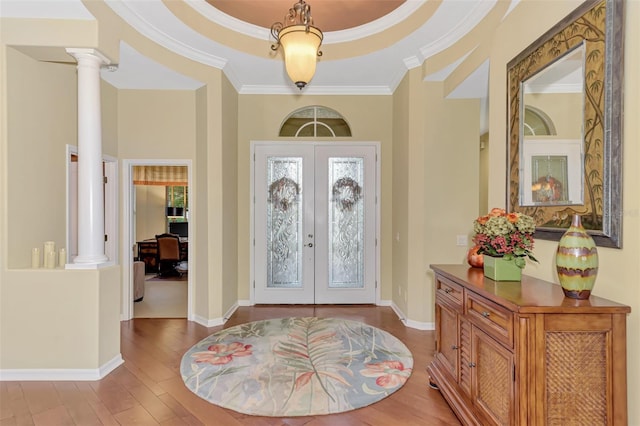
(525, 354)
(492, 378)
(466, 362)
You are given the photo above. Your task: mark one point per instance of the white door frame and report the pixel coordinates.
(252, 205)
(129, 238)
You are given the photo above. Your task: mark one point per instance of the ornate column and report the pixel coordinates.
(90, 173)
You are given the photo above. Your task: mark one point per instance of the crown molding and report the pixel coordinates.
(133, 18)
(228, 21)
(466, 24)
(314, 90)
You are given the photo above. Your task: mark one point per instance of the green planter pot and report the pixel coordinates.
(499, 269)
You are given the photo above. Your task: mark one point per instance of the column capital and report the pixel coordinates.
(83, 52)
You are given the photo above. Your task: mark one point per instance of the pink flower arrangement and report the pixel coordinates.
(507, 235)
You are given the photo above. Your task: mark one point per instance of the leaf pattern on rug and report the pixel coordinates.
(297, 366)
(312, 350)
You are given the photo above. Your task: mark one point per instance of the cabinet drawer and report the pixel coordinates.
(494, 319)
(450, 291)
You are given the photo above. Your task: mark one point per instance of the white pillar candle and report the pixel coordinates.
(49, 254)
(35, 257)
(63, 258)
(51, 260)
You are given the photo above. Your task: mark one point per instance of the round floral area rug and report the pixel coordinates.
(296, 366)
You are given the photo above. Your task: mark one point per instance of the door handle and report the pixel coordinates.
(310, 245)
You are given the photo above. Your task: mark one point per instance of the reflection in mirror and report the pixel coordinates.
(565, 146)
(552, 132)
(537, 122)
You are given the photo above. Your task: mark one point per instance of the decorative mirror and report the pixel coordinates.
(564, 152)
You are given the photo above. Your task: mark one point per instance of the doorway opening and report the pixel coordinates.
(140, 246)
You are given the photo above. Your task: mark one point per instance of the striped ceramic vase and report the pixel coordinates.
(577, 261)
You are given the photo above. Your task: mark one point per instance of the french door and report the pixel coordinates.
(315, 223)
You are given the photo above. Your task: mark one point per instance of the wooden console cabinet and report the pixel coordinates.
(520, 353)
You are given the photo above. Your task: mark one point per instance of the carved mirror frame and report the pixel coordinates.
(599, 25)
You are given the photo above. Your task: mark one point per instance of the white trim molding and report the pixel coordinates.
(418, 325)
(61, 374)
(214, 322)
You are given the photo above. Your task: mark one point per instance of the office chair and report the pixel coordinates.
(168, 254)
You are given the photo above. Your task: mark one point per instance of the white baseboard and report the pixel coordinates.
(411, 323)
(419, 325)
(61, 374)
(214, 322)
(407, 322)
(230, 312)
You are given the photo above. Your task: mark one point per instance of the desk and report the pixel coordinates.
(148, 253)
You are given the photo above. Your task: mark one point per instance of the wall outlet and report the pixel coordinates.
(461, 240)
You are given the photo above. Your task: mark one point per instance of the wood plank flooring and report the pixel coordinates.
(147, 388)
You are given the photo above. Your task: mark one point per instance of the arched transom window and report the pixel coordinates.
(315, 121)
(537, 122)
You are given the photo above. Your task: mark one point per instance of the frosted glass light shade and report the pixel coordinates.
(300, 52)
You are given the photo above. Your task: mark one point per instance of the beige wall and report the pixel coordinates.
(215, 209)
(180, 125)
(436, 168)
(483, 180)
(80, 308)
(619, 268)
(42, 119)
(199, 202)
(107, 315)
(400, 194)
(564, 109)
(156, 124)
(230, 172)
(109, 113)
(60, 319)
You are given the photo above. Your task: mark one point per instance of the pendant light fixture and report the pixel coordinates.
(300, 41)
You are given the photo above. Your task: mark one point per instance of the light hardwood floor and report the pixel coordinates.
(147, 388)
